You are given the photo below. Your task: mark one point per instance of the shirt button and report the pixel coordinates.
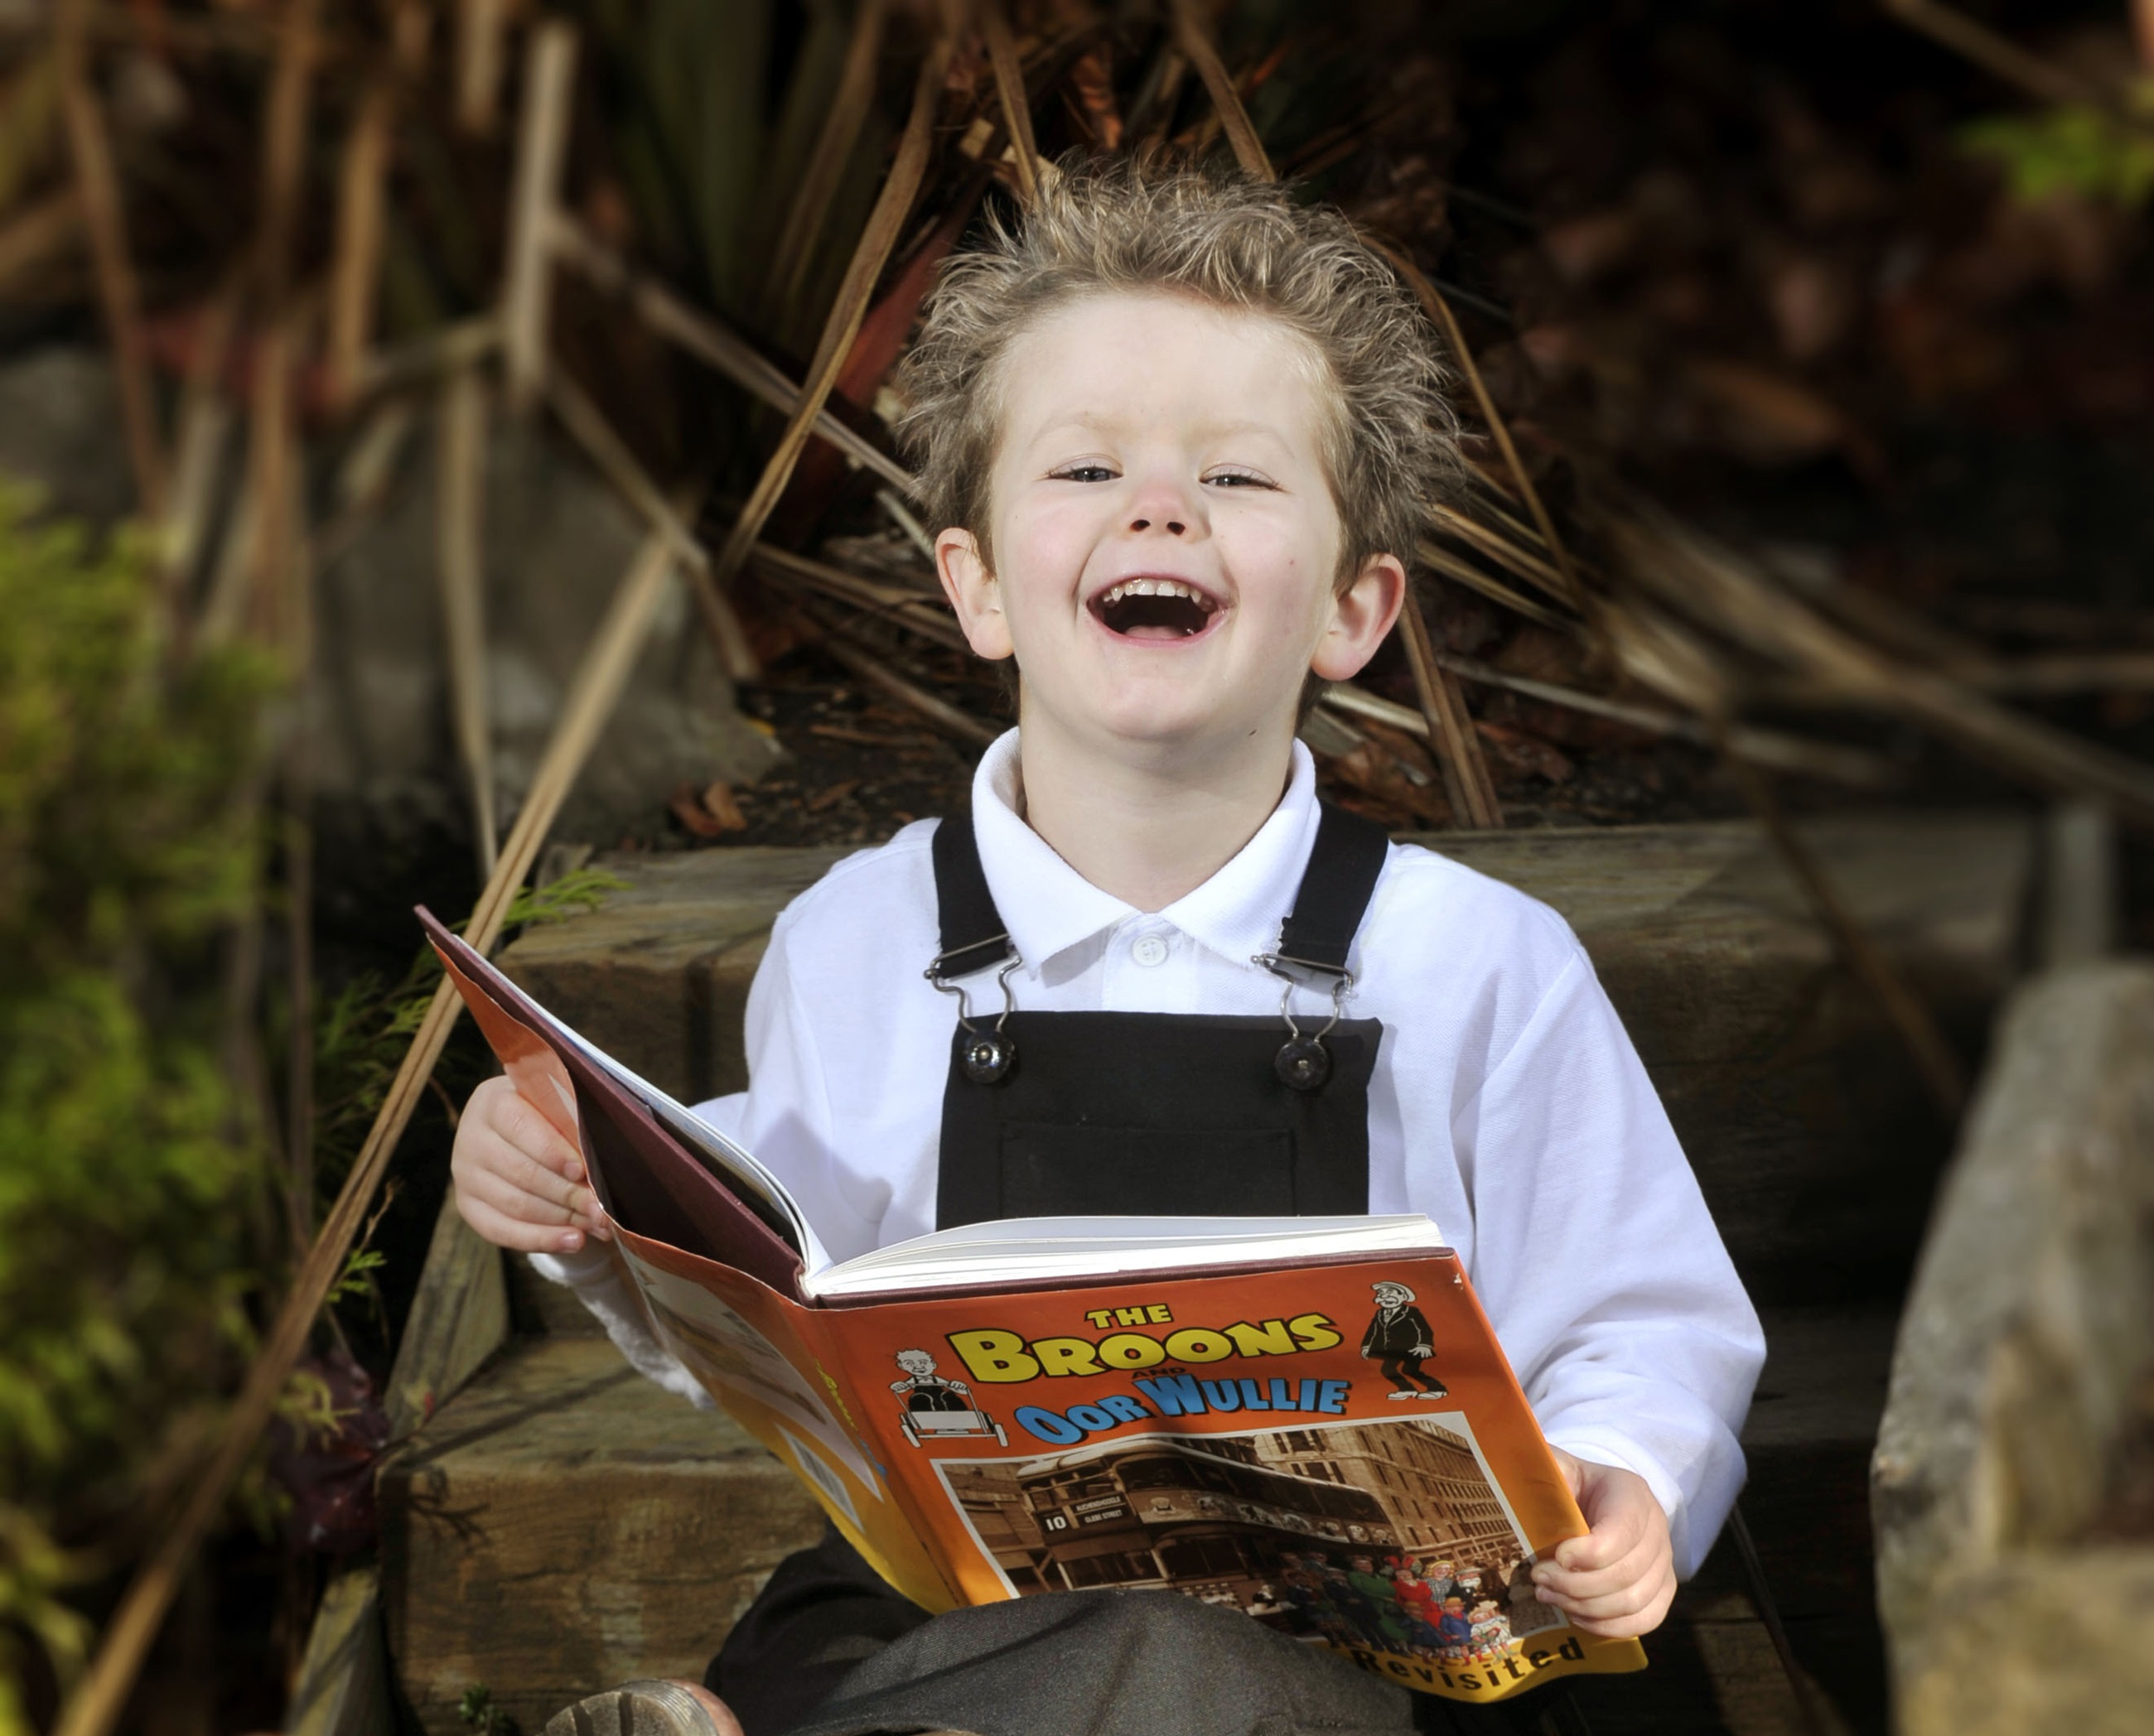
(1149, 951)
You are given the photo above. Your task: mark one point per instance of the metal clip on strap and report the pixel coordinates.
(1318, 935)
(973, 941)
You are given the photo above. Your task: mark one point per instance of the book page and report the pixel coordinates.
(727, 1162)
(769, 1363)
(1033, 1250)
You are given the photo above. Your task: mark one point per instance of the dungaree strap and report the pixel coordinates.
(1335, 888)
(973, 937)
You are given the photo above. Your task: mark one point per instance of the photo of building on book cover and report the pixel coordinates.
(1386, 1539)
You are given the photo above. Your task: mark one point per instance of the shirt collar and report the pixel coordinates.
(1049, 907)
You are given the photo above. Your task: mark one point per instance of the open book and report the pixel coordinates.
(1307, 1418)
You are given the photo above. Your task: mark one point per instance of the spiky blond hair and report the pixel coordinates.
(1389, 443)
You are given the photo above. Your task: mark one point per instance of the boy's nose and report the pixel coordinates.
(1172, 527)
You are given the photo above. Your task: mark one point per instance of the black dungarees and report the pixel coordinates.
(1083, 1114)
(1053, 1114)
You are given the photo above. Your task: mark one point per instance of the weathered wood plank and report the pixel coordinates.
(564, 1524)
(343, 1688)
(459, 1317)
(658, 975)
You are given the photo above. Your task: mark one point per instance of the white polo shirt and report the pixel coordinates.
(1507, 1103)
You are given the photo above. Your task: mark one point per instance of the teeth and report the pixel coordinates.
(1158, 588)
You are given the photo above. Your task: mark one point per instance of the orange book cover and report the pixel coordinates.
(1263, 1437)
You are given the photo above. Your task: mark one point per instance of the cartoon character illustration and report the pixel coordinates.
(1454, 1628)
(1491, 1633)
(1381, 1594)
(1399, 1338)
(935, 1406)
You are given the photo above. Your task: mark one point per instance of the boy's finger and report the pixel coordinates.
(503, 1194)
(530, 1133)
(533, 1177)
(1598, 1582)
(1623, 1599)
(1635, 1608)
(506, 1232)
(1627, 1627)
(489, 1154)
(1617, 1531)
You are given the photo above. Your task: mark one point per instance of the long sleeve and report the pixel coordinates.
(1637, 1346)
(591, 1276)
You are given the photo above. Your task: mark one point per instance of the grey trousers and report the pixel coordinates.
(1107, 1663)
(829, 1650)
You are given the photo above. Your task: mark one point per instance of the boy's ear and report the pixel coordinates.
(973, 593)
(1361, 614)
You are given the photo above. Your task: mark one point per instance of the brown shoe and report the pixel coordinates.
(648, 1707)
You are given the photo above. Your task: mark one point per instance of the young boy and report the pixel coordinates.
(1179, 430)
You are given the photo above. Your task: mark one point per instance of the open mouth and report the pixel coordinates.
(1154, 609)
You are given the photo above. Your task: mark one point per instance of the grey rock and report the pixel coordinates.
(556, 541)
(2031, 1316)
(59, 429)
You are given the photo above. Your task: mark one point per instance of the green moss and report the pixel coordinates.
(128, 1186)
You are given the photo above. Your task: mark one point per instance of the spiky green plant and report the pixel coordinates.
(2074, 147)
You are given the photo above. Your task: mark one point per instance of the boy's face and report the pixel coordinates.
(1152, 444)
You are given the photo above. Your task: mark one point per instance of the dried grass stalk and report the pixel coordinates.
(2064, 672)
(94, 1706)
(31, 237)
(707, 338)
(881, 235)
(205, 435)
(355, 275)
(459, 550)
(1998, 53)
(1439, 310)
(456, 345)
(119, 293)
(549, 72)
(1830, 761)
(840, 132)
(1772, 749)
(606, 449)
(1195, 41)
(1502, 550)
(1016, 105)
(275, 471)
(831, 635)
(481, 52)
(1441, 560)
(1458, 748)
(299, 886)
(1727, 594)
(905, 608)
(285, 150)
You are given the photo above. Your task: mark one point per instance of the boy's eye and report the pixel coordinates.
(1083, 473)
(1237, 479)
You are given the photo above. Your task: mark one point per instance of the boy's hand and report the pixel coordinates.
(1620, 1579)
(518, 1183)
